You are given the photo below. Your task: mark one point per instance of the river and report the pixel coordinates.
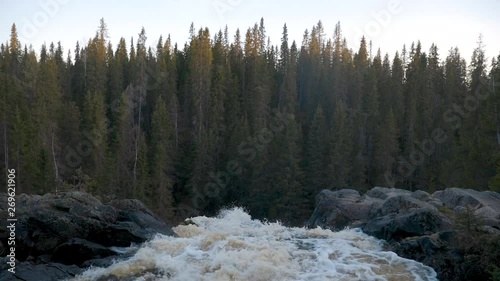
(232, 246)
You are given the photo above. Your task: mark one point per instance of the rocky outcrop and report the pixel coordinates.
(416, 225)
(394, 214)
(28, 271)
(58, 234)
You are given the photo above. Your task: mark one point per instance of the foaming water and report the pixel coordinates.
(232, 246)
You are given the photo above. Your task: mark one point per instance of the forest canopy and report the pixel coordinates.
(232, 120)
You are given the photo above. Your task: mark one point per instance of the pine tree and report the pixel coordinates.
(48, 103)
(95, 133)
(362, 81)
(478, 131)
(386, 148)
(158, 123)
(395, 95)
(455, 91)
(94, 114)
(315, 150)
(142, 180)
(494, 183)
(78, 82)
(161, 193)
(24, 149)
(414, 82)
(288, 196)
(124, 144)
(70, 138)
(339, 166)
(200, 65)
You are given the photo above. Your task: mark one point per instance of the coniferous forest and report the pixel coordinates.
(228, 119)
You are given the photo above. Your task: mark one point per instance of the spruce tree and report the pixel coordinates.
(315, 151)
(160, 194)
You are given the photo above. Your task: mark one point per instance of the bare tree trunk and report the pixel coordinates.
(496, 112)
(137, 140)
(56, 170)
(200, 121)
(176, 124)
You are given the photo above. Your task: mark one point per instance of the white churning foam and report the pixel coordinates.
(232, 246)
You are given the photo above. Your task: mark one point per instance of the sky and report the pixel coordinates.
(389, 24)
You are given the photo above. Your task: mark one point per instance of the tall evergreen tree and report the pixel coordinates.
(340, 146)
(478, 134)
(162, 142)
(163, 123)
(315, 151)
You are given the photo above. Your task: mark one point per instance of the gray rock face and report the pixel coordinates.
(73, 228)
(335, 208)
(415, 222)
(26, 271)
(485, 203)
(390, 213)
(416, 225)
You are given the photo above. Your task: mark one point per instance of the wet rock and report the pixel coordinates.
(339, 209)
(57, 232)
(86, 250)
(415, 222)
(417, 225)
(27, 271)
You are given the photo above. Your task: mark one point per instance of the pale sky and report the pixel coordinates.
(388, 23)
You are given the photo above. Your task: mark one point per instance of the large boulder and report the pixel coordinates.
(339, 209)
(419, 225)
(415, 222)
(398, 204)
(384, 193)
(27, 271)
(73, 228)
(485, 204)
(86, 250)
(391, 213)
(437, 251)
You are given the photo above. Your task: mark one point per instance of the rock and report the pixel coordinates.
(384, 193)
(453, 197)
(416, 222)
(402, 204)
(430, 250)
(485, 204)
(421, 195)
(131, 204)
(417, 225)
(386, 209)
(27, 271)
(435, 251)
(490, 230)
(104, 262)
(74, 228)
(338, 209)
(65, 253)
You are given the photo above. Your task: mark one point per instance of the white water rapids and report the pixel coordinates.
(232, 246)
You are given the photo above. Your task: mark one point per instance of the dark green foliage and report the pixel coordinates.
(480, 249)
(315, 161)
(216, 123)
